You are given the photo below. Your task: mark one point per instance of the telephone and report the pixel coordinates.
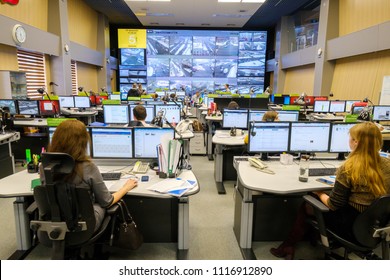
(183, 126)
(259, 165)
(140, 167)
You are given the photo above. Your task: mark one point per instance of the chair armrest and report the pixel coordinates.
(316, 203)
(112, 209)
(32, 208)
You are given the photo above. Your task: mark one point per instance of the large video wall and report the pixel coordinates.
(193, 60)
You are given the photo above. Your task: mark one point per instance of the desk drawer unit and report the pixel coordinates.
(197, 144)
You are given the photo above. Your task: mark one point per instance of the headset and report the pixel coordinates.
(253, 132)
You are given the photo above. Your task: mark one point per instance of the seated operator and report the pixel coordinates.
(139, 116)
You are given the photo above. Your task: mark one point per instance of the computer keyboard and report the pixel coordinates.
(322, 171)
(109, 176)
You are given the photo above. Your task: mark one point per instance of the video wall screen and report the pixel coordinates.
(194, 60)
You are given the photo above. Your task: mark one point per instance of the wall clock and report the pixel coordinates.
(19, 34)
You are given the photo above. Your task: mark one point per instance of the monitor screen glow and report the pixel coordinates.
(337, 106)
(82, 102)
(288, 116)
(66, 101)
(321, 106)
(256, 115)
(116, 114)
(235, 118)
(149, 112)
(48, 107)
(146, 140)
(339, 137)
(309, 136)
(171, 112)
(28, 107)
(112, 142)
(269, 137)
(381, 113)
(10, 104)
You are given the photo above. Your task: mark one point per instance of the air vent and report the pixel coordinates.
(179, 23)
(230, 24)
(154, 23)
(205, 24)
(159, 15)
(231, 16)
(242, 11)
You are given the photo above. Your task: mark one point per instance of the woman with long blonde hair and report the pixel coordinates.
(72, 137)
(362, 178)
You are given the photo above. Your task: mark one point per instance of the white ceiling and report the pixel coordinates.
(193, 13)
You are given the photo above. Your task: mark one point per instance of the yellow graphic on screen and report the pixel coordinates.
(132, 38)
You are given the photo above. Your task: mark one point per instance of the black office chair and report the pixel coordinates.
(371, 229)
(66, 214)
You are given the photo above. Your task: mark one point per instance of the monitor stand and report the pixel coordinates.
(341, 156)
(264, 156)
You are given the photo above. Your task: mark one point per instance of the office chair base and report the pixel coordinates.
(248, 254)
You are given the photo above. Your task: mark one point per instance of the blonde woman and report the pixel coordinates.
(362, 178)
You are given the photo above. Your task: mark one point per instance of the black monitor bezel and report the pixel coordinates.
(29, 100)
(139, 128)
(331, 135)
(110, 105)
(235, 110)
(308, 151)
(330, 105)
(314, 106)
(373, 113)
(15, 105)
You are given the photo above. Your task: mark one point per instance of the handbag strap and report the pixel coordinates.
(125, 211)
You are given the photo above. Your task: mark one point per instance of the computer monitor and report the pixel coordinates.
(237, 118)
(339, 137)
(337, 106)
(259, 103)
(146, 140)
(288, 116)
(381, 113)
(268, 137)
(171, 112)
(321, 106)
(49, 107)
(116, 114)
(348, 105)
(256, 115)
(82, 102)
(180, 94)
(108, 142)
(10, 104)
(356, 110)
(123, 96)
(149, 112)
(66, 101)
(309, 137)
(28, 107)
(116, 97)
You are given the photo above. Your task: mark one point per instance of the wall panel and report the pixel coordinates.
(34, 13)
(361, 76)
(87, 76)
(299, 79)
(355, 15)
(83, 24)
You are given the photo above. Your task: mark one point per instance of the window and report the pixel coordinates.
(33, 64)
(73, 67)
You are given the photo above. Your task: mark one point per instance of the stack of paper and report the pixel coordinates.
(176, 186)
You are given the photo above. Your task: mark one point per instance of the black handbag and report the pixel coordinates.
(127, 234)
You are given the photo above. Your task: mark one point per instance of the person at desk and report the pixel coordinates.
(363, 177)
(72, 137)
(196, 98)
(141, 91)
(227, 88)
(233, 105)
(133, 92)
(139, 115)
(271, 116)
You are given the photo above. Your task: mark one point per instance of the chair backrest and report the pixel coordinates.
(376, 216)
(60, 201)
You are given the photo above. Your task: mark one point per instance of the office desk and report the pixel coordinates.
(7, 161)
(18, 185)
(30, 122)
(326, 118)
(251, 182)
(89, 114)
(210, 120)
(221, 139)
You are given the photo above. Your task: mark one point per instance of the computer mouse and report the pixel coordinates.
(40, 120)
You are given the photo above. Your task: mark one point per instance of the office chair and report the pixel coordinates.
(371, 229)
(66, 214)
